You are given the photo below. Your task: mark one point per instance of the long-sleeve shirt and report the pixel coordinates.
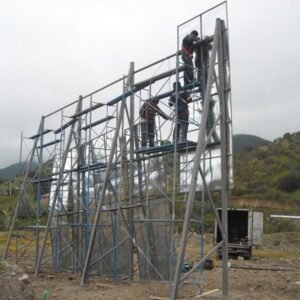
(182, 101)
(188, 44)
(149, 110)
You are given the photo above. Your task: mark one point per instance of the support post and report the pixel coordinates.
(131, 176)
(39, 198)
(224, 166)
(76, 232)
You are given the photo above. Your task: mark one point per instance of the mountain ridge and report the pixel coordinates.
(10, 171)
(243, 142)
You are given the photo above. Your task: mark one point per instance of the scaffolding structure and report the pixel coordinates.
(103, 203)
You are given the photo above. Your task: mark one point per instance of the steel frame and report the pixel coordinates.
(99, 175)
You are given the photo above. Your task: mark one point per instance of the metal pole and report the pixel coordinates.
(105, 182)
(199, 151)
(174, 175)
(38, 207)
(224, 167)
(21, 149)
(131, 177)
(77, 231)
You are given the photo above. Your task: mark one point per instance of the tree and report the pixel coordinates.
(290, 182)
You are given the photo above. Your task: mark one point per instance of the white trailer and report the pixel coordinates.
(245, 230)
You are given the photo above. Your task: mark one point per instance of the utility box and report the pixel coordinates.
(245, 230)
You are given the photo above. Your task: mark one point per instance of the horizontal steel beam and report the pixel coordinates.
(89, 109)
(65, 126)
(98, 122)
(139, 86)
(39, 134)
(49, 144)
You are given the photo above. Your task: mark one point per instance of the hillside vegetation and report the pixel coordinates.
(270, 171)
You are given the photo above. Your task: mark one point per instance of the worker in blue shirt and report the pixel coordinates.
(147, 114)
(180, 99)
(202, 62)
(187, 56)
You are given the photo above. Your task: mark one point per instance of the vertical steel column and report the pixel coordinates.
(199, 151)
(202, 93)
(224, 165)
(77, 230)
(123, 195)
(39, 196)
(131, 176)
(22, 190)
(21, 150)
(174, 188)
(105, 181)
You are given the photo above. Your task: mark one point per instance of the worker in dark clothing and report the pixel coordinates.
(180, 98)
(202, 62)
(202, 52)
(147, 114)
(187, 56)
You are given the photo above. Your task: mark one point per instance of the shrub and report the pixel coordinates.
(290, 182)
(279, 225)
(238, 191)
(261, 189)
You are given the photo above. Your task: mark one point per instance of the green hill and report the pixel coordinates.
(10, 172)
(246, 141)
(270, 171)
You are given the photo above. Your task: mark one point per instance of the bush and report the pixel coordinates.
(290, 182)
(280, 225)
(238, 191)
(261, 189)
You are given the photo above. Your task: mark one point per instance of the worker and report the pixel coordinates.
(147, 114)
(202, 61)
(187, 56)
(180, 98)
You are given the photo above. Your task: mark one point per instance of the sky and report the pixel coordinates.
(51, 51)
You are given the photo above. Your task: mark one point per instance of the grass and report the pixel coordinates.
(296, 194)
(25, 238)
(3, 239)
(274, 253)
(2, 264)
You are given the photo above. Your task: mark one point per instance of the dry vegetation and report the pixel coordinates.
(273, 273)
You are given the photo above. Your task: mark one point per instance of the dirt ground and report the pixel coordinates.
(272, 273)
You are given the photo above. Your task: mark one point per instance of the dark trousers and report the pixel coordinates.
(189, 72)
(181, 129)
(147, 129)
(201, 63)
